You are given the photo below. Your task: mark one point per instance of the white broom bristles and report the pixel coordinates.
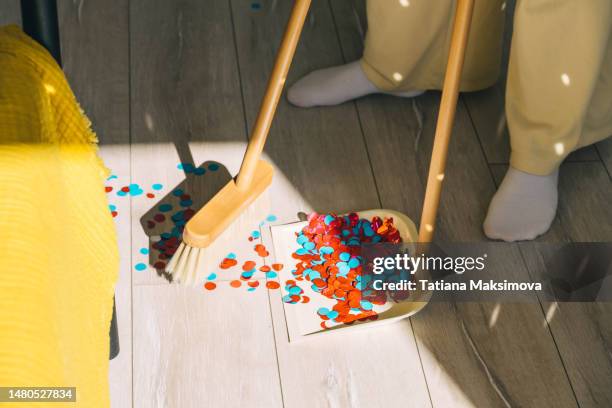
(184, 263)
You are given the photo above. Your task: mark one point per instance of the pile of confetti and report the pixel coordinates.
(329, 259)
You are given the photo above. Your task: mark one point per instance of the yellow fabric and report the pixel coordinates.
(559, 89)
(58, 250)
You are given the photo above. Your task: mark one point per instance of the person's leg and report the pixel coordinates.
(556, 62)
(406, 48)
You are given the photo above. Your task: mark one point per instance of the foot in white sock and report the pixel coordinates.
(335, 85)
(523, 207)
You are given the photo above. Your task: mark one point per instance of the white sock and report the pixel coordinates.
(335, 85)
(523, 207)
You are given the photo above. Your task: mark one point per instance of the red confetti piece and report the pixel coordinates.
(159, 265)
(248, 265)
(261, 250)
(337, 244)
(210, 285)
(125, 189)
(272, 285)
(114, 214)
(253, 284)
(265, 268)
(277, 267)
(150, 195)
(108, 189)
(159, 217)
(235, 284)
(227, 263)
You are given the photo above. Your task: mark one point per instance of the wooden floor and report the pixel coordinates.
(180, 81)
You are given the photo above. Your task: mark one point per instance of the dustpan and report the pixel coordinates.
(302, 319)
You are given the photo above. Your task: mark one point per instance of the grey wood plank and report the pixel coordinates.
(195, 349)
(318, 145)
(215, 348)
(186, 106)
(94, 39)
(458, 349)
(322, 164)
(10, 12)
(582, 331)
(605, 151)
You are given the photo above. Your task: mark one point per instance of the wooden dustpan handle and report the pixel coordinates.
(446, 115)
(273, 93)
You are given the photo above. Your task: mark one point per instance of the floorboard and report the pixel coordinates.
(215, 348)
(322, 164)
(457, 347)
(203, 350)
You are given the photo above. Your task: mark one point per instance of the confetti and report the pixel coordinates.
(272, 285)
(157, 186)
(329, 259)
(261, 250)
(144, 251)
(140, 266)
(235, 283)
(210, 285)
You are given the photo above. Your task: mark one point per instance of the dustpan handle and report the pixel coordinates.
(446, 115)
(273, 93)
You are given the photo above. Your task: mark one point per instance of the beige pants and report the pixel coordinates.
(559, 89)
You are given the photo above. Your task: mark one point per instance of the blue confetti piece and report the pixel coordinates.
(343, 268)
(177, 193)
(295, 290)
(250, 289)
(326, 250)
(112, 207)
(212, 276)
(121, 193)
(271, 218)
(213, 167)
(255, 234)
(365, 305)
(345, 256)
(231, 255)
(111, 177)
(199, 171)
(353, 263)
(144, 251)
(301, 239)
(271, 275)
(186, 203)
(332, 314)
(301, 251)
(165, 207)
(309, 245)
(328, 219)
(186, 167)
(323, 311)
(314, 275)
(165, 235)
(157, 186)
(140, 266)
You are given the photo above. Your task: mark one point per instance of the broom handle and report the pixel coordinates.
(273, 93)
(446, 115)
